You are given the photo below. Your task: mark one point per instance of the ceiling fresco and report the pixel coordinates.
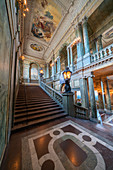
(108, 34)
(47, 16)
(36, 47)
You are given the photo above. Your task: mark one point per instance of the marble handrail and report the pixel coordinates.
(52, 93)
(107, 51)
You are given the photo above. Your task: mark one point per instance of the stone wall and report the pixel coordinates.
(5, 56)
(8, 66)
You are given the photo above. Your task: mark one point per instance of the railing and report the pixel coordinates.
(81, 112)
(102, 53)
(52, 93)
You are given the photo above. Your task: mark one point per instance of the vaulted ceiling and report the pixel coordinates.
(49, 20)
(40, 24)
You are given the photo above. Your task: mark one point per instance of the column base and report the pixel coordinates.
(86, 59)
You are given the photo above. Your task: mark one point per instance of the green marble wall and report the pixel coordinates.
(5, 53)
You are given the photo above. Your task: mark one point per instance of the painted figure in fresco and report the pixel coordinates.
(43, 26)
(44, 3)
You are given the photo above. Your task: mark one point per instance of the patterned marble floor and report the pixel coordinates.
(66, 146)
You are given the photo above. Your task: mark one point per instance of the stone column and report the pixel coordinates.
(92, 98)
(54, 67)
(71, 54)
(94, 46)
(85, 35)
(58, 65)
(100, 99)
(47, 70)
(108, 99)
(100, 42)
(68, 56)
(81, 48)
(84, 92)
(103, 96)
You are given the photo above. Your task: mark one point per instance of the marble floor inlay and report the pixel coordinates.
(65, 146)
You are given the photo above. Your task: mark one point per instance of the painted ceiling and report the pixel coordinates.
(47, 15)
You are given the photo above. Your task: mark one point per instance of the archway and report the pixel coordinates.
(33, 72)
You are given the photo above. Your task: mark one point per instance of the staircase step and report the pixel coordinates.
(37, 122)
(32, 117)
(36, 112)
(34, 105)
(28, 109)
(32, 101)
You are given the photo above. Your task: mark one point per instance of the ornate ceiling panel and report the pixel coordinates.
(46, 17)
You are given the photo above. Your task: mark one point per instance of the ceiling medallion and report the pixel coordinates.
(36, 47)
(108, 34)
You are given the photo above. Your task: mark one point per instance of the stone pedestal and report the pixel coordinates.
(86, 59)
(68, 104)
(92, 98)
(84, 92)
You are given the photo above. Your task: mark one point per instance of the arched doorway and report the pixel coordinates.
(33, 72)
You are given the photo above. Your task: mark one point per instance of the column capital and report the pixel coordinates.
(84, 20)
(100, 36)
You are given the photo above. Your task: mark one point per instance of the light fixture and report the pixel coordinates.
(24, 14)
(76, 41)
(22, 57)
(41, 72)
(23, 5)
(67, 76)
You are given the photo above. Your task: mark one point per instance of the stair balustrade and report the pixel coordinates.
(52, 93)
(79, 111)
(105, 52)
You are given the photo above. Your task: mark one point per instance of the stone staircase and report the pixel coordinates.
(33, 106)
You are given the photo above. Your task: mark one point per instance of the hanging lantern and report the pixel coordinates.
(67, 76)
